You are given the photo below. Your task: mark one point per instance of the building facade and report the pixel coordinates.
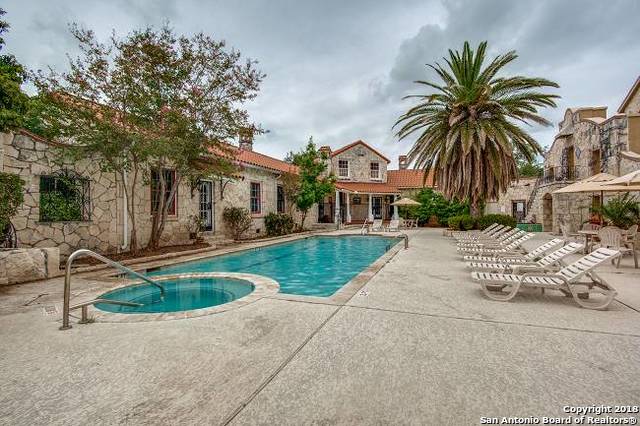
(588, 142)
(99, 220)
(366, 187)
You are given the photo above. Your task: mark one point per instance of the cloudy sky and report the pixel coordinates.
(338, 70)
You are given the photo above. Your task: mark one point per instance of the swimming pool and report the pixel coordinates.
(313, 266)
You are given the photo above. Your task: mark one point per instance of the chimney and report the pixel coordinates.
(245, 139)
(326, 150)
(402, 162)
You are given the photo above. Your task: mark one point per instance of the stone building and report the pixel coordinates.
(365, 186)
(588, 142)
(99, 220)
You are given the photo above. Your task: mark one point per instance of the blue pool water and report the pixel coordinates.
(180, 295)
(314, 266)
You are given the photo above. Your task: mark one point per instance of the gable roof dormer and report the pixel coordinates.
(356, 143)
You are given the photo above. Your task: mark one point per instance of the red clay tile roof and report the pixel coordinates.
(262, 160)
(243, 156)
(367, 187)
(409, 178)
(358, 142)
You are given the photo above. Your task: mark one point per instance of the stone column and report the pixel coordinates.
(370, 215)
(395, 208)
(348, 208)
(337, 208)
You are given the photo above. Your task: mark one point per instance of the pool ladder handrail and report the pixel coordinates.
(67, 286)
(406, 240)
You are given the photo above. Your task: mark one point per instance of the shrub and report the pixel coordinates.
(278, 224)
(11, 188)
(501, 219)
(435, 204)
(467, 222)
(238, 219)
(463, 222)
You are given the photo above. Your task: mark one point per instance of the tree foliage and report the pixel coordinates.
(150, 101)
(12, 190)
(13, 102)
(467, 127)
(314, 184)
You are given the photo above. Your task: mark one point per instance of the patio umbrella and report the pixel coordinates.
(593, 183)
(631, 181)
(405, 202)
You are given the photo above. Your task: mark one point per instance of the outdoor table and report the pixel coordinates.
(588, 235)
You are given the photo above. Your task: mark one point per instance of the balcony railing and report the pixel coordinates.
(563, 174)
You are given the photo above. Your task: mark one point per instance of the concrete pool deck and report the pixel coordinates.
(418, 344)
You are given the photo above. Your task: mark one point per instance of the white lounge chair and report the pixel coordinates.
(565, 280)
(394, 226)
(475, 235)
(500, 242)
(377, 225)
(546, 262)
(516, 257)
(496, 250)
(470, 234)
(501, 237)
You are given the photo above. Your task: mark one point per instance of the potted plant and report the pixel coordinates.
(622, 211)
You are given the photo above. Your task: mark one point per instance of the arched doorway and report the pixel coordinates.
(547, 213)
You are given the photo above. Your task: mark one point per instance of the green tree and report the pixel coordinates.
(528, 168)
(13, 102)
(314, 184)
(147, 102)
(468, 125)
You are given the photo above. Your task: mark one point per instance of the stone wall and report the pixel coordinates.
(518, 190)
(29, 157)
(360, 158)
(237, 193)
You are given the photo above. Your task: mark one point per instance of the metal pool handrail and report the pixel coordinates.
(406, 240)
(114, 264)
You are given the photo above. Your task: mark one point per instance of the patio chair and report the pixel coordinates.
(516, 257)
(565, 280)
(611, 237)
(543, 264)
(567, 235)
(377, 225)
(478, 250)
(394, 226)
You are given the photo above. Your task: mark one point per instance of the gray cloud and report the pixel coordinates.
(338, 70)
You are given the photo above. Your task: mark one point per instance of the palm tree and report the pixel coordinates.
(468, 127)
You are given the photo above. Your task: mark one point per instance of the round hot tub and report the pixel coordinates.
(181, 294)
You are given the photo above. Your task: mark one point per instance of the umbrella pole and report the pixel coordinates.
(601, 204)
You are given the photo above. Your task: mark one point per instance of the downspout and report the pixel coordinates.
(125, 214)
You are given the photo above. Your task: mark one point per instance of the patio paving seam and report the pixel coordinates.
(282, 365)
(425, 314)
